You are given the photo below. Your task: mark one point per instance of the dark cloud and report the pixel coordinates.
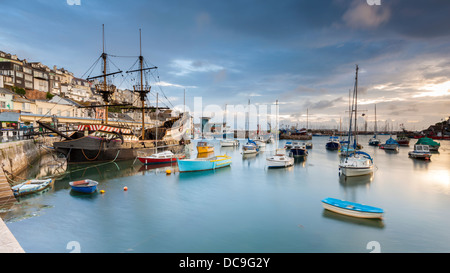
(301, 51)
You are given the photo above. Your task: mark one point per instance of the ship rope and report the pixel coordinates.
(99, 150)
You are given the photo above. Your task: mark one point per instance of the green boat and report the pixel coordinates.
(434, 146)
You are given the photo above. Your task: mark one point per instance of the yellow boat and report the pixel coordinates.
(204, 147)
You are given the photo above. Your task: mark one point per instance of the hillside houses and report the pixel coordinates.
(33, 90)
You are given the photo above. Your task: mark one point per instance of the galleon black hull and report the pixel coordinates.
(89, 149)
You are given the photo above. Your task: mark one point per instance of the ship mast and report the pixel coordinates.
(104, 89)
(140, 88)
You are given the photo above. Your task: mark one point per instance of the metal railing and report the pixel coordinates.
(8, 135)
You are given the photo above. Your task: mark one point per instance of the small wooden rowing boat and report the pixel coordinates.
(352, 209)
(84, 186)
(31, 186)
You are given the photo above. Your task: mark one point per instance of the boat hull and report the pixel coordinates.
(160, 158)
(279, 162)
(93, 149)
(31, 186)
(332, 146)
(352, 209)
(418, 155)
(374, 142)
(149, 161)
(389, 147)
(356, 171)
(90, 187)
(299, 152)
(403, 142)
(194, 165)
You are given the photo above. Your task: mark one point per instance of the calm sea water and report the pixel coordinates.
(243, 208)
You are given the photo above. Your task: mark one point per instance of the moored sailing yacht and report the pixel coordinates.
(374, 141)
(356, 163)
(279, 159)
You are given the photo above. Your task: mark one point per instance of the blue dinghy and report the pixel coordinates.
(84, 186)
(351, 208)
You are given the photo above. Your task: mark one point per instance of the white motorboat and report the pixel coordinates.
(420, 152)
(279, 160)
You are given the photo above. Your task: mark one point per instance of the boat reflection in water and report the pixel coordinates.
(355, 181)
(374, 223)
(158, 168)
(197, 175)
(205, 155)
(96, 171)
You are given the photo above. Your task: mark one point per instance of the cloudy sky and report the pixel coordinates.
(301, 52)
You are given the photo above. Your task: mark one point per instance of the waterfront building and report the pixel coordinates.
(6, 99)
(23, 105)
(41, 77)
(55, 81)
(11, 69)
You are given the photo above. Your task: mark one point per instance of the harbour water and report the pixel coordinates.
(243, 208)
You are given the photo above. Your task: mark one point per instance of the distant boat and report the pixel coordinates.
(352, 209)
(433, 145)
(31, 186)
(333, 143)
(403, 140)
(299, 150)
(288, 145)
(309, 145)
(279, 160)
(374, 141)
(160, 158)
(203, 164)
(229, 143)
(204, 147)
(84, 186)
(391, 144)
(250, 147)
(420, 151)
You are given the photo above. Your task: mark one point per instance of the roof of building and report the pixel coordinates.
(7, 91)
